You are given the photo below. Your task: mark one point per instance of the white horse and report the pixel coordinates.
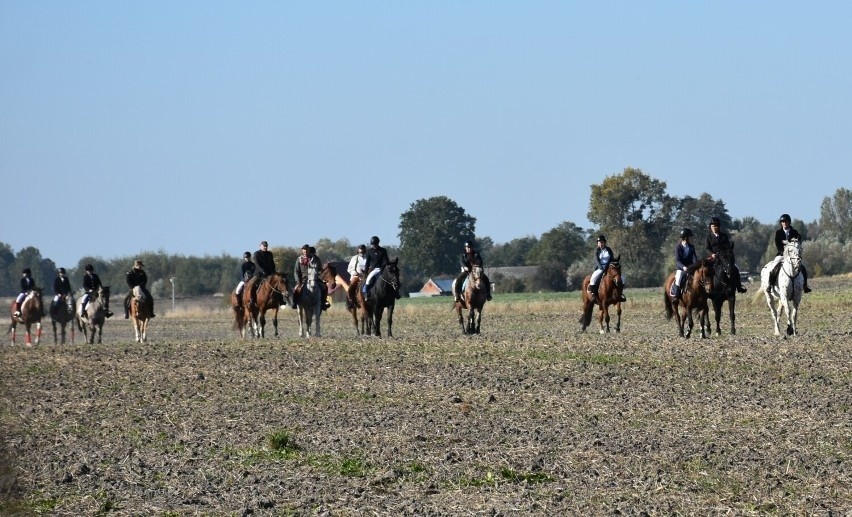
(788, 293)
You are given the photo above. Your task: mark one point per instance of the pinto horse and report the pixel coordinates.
(381, 295)
(609, 293)
(96, 311)
(788, 293)
(272, 293)
(32, 310)
(62, 314)
(140, 314)
(694, 297)
(724, 289)
(473, 299)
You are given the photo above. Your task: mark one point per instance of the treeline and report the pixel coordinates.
(641, 222)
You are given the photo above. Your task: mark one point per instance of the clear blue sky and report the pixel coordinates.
(202, 128)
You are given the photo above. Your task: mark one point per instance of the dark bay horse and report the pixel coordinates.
(32, 310)
(694, 297)
(140, 314)
(310, 301)
(272, 293)
(96, 311)
(382, 295)
(609, 293)
(724, 289)
(472, 299)
(62, 314)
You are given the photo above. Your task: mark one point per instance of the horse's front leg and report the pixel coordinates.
(461, 318)
(275, 322)
(262, 321)
(318, 318)
(618, 318)
(732, 303)
(603, 316)
(390, 321)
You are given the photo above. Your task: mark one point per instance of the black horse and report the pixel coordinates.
(383, 294)
(725, 285)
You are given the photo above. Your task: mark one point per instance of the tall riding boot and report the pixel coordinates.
(805, 288)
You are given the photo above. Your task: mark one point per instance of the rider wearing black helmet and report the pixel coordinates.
(717, 242)
(91, 284)
(27, 285)
(468, 259)
(246, 273)
(785, 233)
(377, 258)
(61, 289)
(684, 257)
(603, 256)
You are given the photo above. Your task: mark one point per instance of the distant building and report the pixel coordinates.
(435, 287)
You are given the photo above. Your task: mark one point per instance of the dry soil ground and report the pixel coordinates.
(530, 417)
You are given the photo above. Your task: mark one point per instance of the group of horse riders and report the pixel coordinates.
(719, 242)
(369, 261)
(62, 291)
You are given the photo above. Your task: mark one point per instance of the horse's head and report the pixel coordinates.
(278, 282)
(390, 274)
(793, 253)
(475, 277)
(329, 275)
(613, 271)
(103, 296)
(703, 274)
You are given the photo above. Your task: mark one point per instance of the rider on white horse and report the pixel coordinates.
(785, 233)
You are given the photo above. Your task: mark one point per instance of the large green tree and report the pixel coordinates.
(561, 245)
(431, 233)
(636, 214)
(835, 220)
(512, 253)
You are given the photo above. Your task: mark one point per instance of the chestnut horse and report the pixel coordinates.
(472, 299)
(609, 293)
(382, 295)
(272, 293)
(96, 311)
(32, 310)
(358, 310)
(63, 313)
(140, 313)
(698, 285)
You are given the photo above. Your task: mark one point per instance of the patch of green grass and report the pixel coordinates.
(352, 467)
(282, 442)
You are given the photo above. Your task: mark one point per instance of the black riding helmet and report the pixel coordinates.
(89, 267)
(247, 255)
(26, 272)
(715, 220)
(686, 232)
(601, 238)
(785, 218)
(468, 244)
(374, 241)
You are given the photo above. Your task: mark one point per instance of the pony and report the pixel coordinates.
(472, 299)
(96, 311)
(32, 310)
(310, 302)
(724, 289)
(610, 290)
(358, 310)
(694, 297)
(140, 313)
(788, 293)
(62, 314)
(272, 293)
(382, 295)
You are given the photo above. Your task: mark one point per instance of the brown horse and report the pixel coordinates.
(610, 291)
(140, 313)
(358, 310)
(96, 311)
(473, 299)
(695, 297)
(62, 314)
(32, 310)
(272, 293)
